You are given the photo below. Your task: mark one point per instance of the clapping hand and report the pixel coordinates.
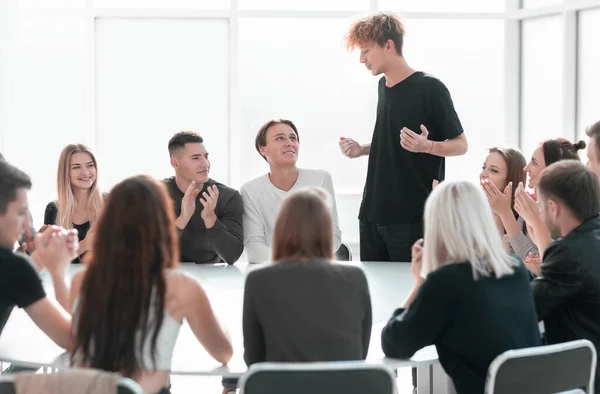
(417, 260)
(188, 202)
(534, 263)
(209, 200)
(525, 206)
(55, 248)
(499, 201)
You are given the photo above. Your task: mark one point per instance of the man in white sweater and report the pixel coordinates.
(278, 143)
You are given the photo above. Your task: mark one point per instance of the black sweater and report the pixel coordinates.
(469, 321)
(567, 292)
(222, 242)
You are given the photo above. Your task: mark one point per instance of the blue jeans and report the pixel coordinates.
(388, 242)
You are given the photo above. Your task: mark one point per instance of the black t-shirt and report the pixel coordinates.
(82, 229)
(20, 284)
(398, 181)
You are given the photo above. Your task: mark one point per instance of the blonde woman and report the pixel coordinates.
(79, 198)
(471, 299)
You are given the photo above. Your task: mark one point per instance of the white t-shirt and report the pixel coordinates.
(261, 205)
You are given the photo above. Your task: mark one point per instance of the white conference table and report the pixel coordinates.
(23, 343)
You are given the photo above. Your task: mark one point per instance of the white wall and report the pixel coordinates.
(123, 80)
(588, 70)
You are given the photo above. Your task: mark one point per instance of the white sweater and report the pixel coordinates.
(261, 205)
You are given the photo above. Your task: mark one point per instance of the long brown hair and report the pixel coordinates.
(303, 230)
(66, 199)
(515, 169)
(124, 285)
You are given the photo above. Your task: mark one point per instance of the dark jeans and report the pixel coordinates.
(388, 242)
(230, 383)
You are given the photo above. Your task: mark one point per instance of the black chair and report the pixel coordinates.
(565, 367)
(339, 377)
(344, 252)
(124, 385)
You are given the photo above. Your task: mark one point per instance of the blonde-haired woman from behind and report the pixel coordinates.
(471, 299)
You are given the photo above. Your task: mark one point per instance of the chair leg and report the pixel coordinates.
(442, 383)
(424, 377)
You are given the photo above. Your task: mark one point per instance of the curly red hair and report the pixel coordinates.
(379, 27)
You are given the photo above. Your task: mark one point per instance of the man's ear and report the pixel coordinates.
(554, 209)
(174, 163)
(390, 45)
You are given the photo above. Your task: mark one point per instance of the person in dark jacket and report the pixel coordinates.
(472, 300)
(567, 293)
(209, 214)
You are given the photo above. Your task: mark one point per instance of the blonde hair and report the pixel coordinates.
(459, 227)
(303, 229)
(66, 199)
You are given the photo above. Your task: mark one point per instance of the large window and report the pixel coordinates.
(289, 71)
(156, 77)
(540, 3)
(45, 101)
(157, 4)
(588, 98)
(443, 5)
(472, 66)
(49, 3)
(305, 5)
(542, 86)
(124, 81)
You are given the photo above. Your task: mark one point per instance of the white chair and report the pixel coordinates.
(337, 377)
(123, 386)
(565, 367)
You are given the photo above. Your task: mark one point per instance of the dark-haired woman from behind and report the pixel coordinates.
(547, 152)
(304, 306)
(130, 302)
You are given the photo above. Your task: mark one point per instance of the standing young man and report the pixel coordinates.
(416, 128)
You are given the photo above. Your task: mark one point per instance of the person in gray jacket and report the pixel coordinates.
(304, 307)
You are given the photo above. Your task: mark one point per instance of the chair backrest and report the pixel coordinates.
(344, 252)
(124, 385)
(339, 377)
(544, 369)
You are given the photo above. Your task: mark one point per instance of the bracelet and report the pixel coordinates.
(430, 149)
